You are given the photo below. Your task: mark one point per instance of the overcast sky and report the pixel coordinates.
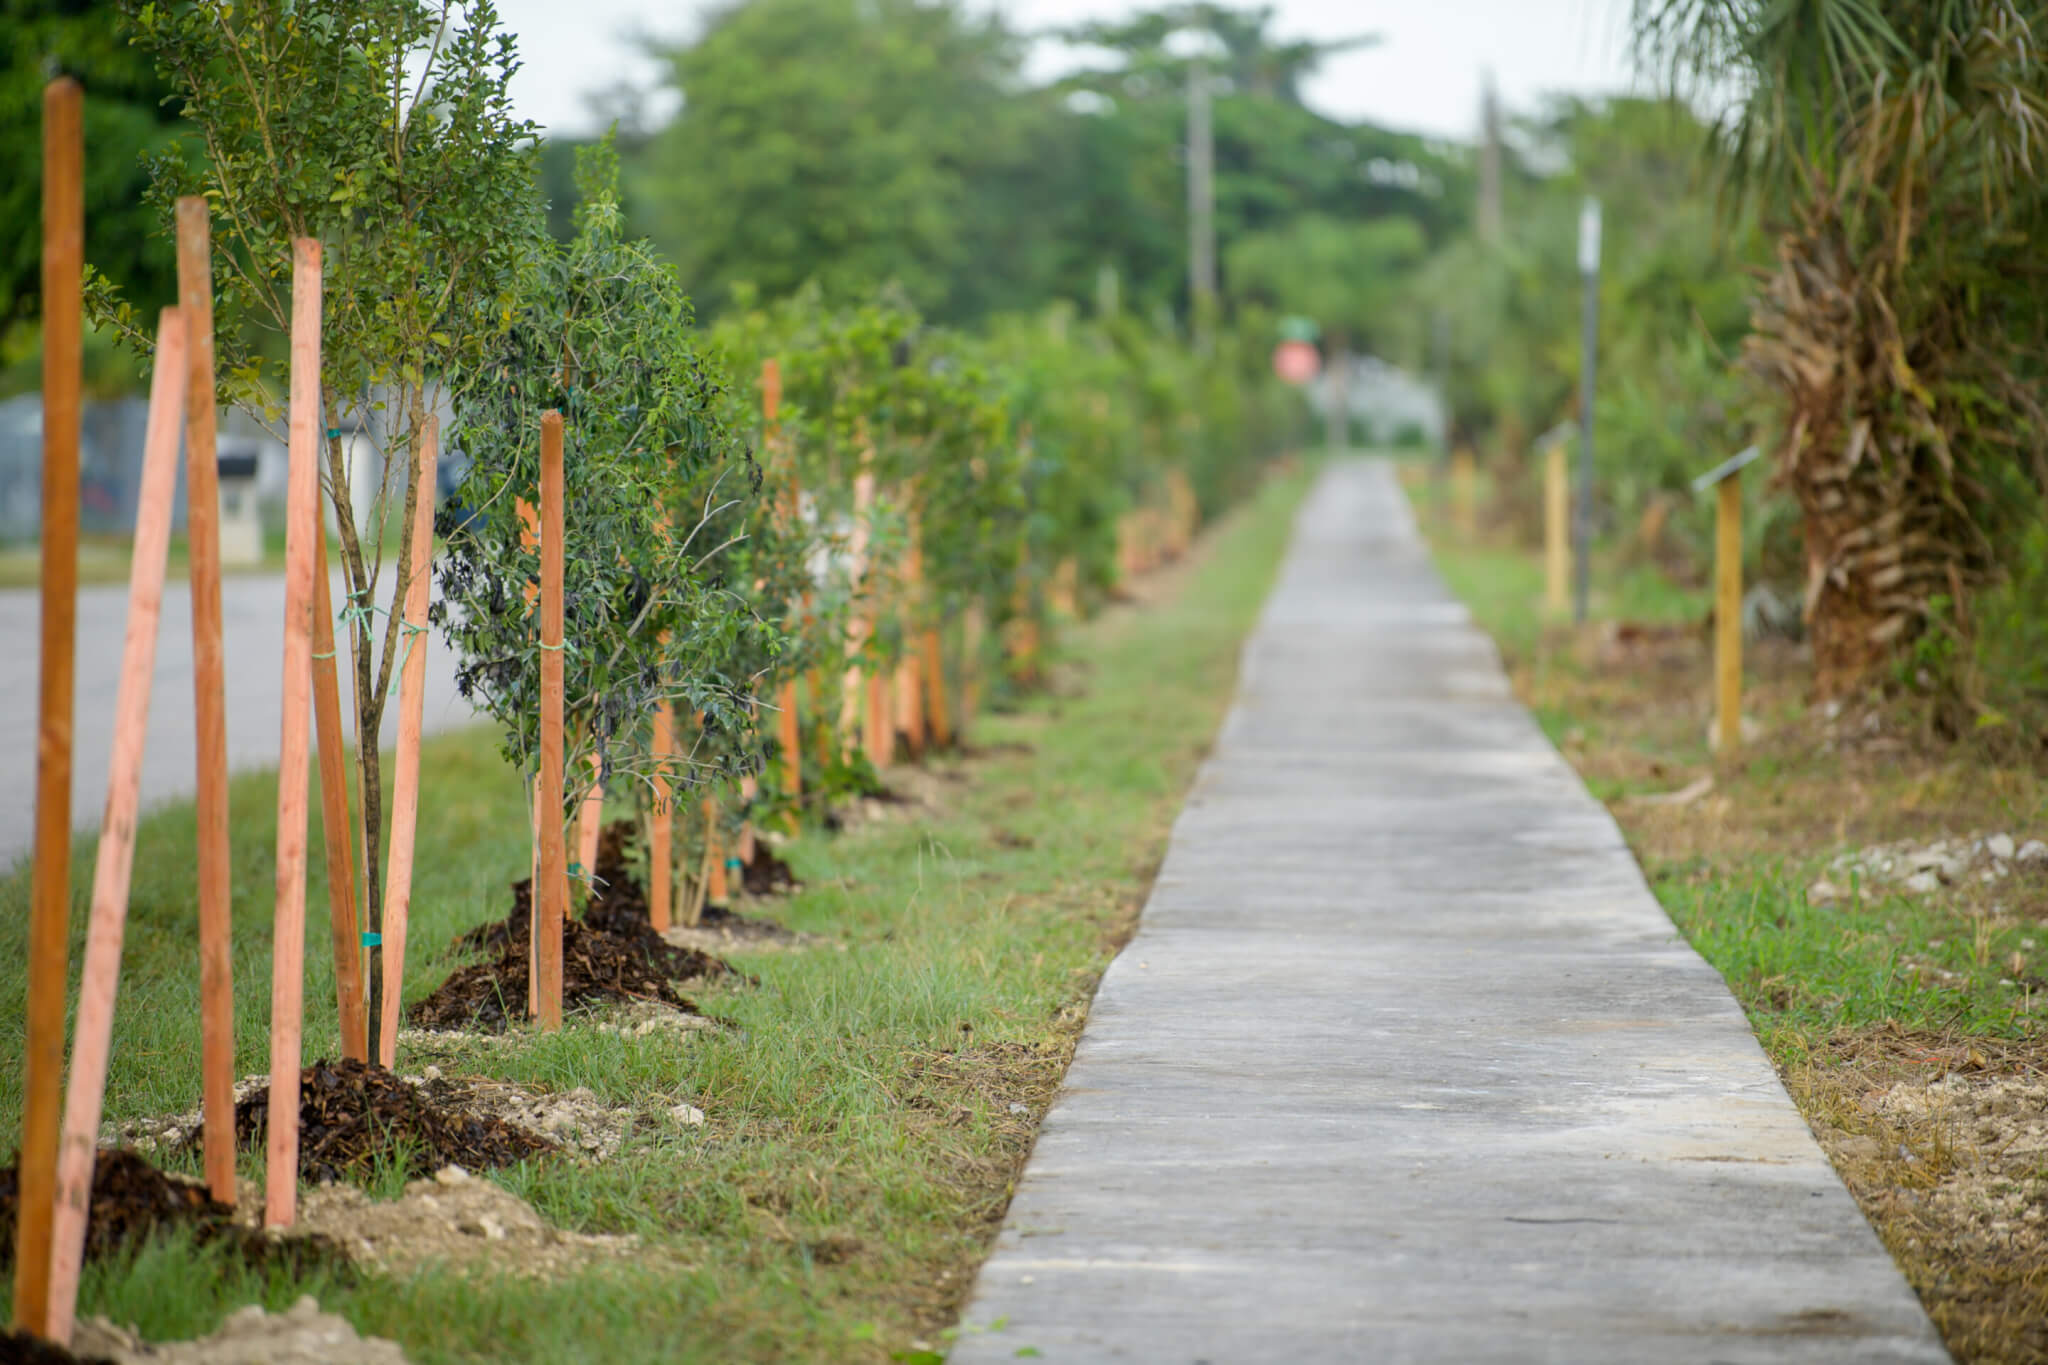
(1424, 75)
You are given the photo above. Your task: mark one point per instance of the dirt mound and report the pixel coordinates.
(249, 1336)
(456, 1220)
(767, 874)
(352, 1116)
(132, 1200)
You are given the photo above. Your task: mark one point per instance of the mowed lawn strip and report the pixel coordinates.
(1908, 1028)
(867, 1117)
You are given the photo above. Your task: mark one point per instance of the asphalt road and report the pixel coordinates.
(252, 611)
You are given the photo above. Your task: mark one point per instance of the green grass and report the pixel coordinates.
(861, 1141)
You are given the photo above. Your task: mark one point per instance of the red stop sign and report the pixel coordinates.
(1296, 361)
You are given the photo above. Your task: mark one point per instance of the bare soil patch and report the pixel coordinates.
(302, 1335)
(452, 1219)
(1944, 1142)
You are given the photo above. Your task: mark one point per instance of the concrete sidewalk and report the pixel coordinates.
(1405, 1062)
(252, 640)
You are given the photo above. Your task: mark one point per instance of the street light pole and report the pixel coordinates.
(1582, 529)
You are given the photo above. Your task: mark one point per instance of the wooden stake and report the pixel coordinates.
(115, 861)
(336, 832)
(50, 885)
(933, 656)
(909, 675)
(209, 697)
(590, 822)
(661, 822)
(288, 942)
(1728, 612)
(789, 735)
(858, 627)
(1557, 531)
(405, 780)
(551, 890)
(715, 887)
(881, 724)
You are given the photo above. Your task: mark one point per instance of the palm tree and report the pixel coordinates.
(1892, 146)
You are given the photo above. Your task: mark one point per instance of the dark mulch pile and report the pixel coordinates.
(611, 954)
(132, 1200)
(767, 875)
(353, 1116)
(19, 1348)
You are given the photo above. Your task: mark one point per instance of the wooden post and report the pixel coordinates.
(909, 675)
(933, 655)
(789, 728)
(336, 830)
(551, 891)
(1557, 530)
(1728, 612)
(1463, 489)
(209, 689)
(115, 860)
(288, 943)
(590, 822)
(789, 735)
(858, 626)
(715, 888)
(881, 723)
(661, 822)
(405, 779)
(50, 885)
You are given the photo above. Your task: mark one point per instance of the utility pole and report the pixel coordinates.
(1201, 205)
(1589, 337)
(1489, 208)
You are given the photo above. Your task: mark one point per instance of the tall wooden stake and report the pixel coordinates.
(590, 823)
(209, 700)
(661, 823)
(551, 892)
(933, 655)
(115, 861)
(1728, 613)
(1557, 534)
(288, 942)
(405, 780)
(336, 831)
(50, 882)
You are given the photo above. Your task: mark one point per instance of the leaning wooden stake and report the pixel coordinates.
(551, 892)
(1557, 531)
(116, 855)
(209, 698)
(50, 882)
(405, 781)
(288, 942)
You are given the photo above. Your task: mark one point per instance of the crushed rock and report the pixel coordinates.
(643, 1018)
(302, 1335)
(454, 1219)
(1919, 869)
(1991, 1135)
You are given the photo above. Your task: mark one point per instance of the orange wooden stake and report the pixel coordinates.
(209, 699)
(932, 655)
(715, 888)
(115, 860)
(337, 836)
(551, 892)
(789, 736)
(881, 722)
(909, 673)
(405, 779)
(590, 824)
(661, 823)
(50, 883)
(288, 942)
